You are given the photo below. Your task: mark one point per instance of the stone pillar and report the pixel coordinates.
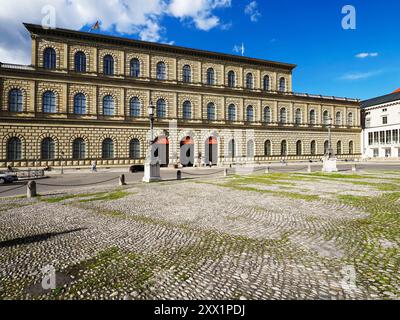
(31, 190)
(122, 180)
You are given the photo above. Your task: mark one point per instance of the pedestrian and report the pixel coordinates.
(94, 166)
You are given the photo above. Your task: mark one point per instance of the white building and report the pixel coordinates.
(381, 125)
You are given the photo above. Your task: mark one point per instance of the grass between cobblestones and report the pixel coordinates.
(113, 272)
(377, 260)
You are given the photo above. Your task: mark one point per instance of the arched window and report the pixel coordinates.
(350, 120)
(211, 112)
(49, 59)
(232, 113)
(48, 149)
(15, 102)
(250, 114)
(313, 148)
(210, 76)
(299, 148)
(267, 148)
(161, 109)
(298, 117)
(232, 149)
(14, 149)
(339, 147)
(80, 61)
(284, 148)
(135, 68)
(134, 149)
(108, 67)
(49, 102)
(108, 106)
(187, 74)
(249, 81)
(250, 149)
(267, 115)
(79, 149)
(313, 117)
(79, 104)
(338, 121)
(266, 83)
(231, 79)
(326, 117)
(282, 116)
(282, 84)
(107, 149)
(187, 110)
(134, 107)
(326, 147)
(161, 71)
(351, 147)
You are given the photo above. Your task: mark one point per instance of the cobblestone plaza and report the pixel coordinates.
(260, 236)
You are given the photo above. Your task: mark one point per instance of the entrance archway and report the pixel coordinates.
(161, 150)
(211, 148)
(187, 152)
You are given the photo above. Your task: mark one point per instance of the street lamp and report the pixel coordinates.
(150, 110)
(151, 168)
(330, 162)
(62, 162)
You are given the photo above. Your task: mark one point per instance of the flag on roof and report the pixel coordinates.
(96, 26)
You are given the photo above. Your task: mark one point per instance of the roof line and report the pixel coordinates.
(380, 100)
(38, 29)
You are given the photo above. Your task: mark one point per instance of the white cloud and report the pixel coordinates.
(360, 75)
(126, 17)
(252, 10)
(199, 11)
(364, 55)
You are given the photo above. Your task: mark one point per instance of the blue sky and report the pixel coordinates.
(308, 33)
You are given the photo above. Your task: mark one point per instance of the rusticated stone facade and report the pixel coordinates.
(266, 120)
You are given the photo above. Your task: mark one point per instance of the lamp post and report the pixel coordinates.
(152, 166)
(330, 162)
(62, 162)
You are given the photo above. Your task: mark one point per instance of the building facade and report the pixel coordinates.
(381, 125)
(85, 97)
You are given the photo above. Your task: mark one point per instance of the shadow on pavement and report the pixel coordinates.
(36, 238)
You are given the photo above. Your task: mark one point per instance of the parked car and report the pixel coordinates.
(136, 168)
(7, 177)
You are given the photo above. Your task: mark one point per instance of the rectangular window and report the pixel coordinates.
(388, 137)
(370, 139)
(384, 120)
(368, 122)
(376, 137)
(376, 153)
(395, 136)
(382, 137)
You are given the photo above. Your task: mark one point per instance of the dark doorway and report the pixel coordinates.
(187, 152)
(211, 148)
(161, 150)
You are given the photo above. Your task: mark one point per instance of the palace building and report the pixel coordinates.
(85, 97)
(381, 124)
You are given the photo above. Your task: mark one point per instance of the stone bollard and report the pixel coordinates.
(309, 170)
(179, 175)
(354, 168)
(267, 170)
(122, 180)
(225, 172)
(31, 189)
